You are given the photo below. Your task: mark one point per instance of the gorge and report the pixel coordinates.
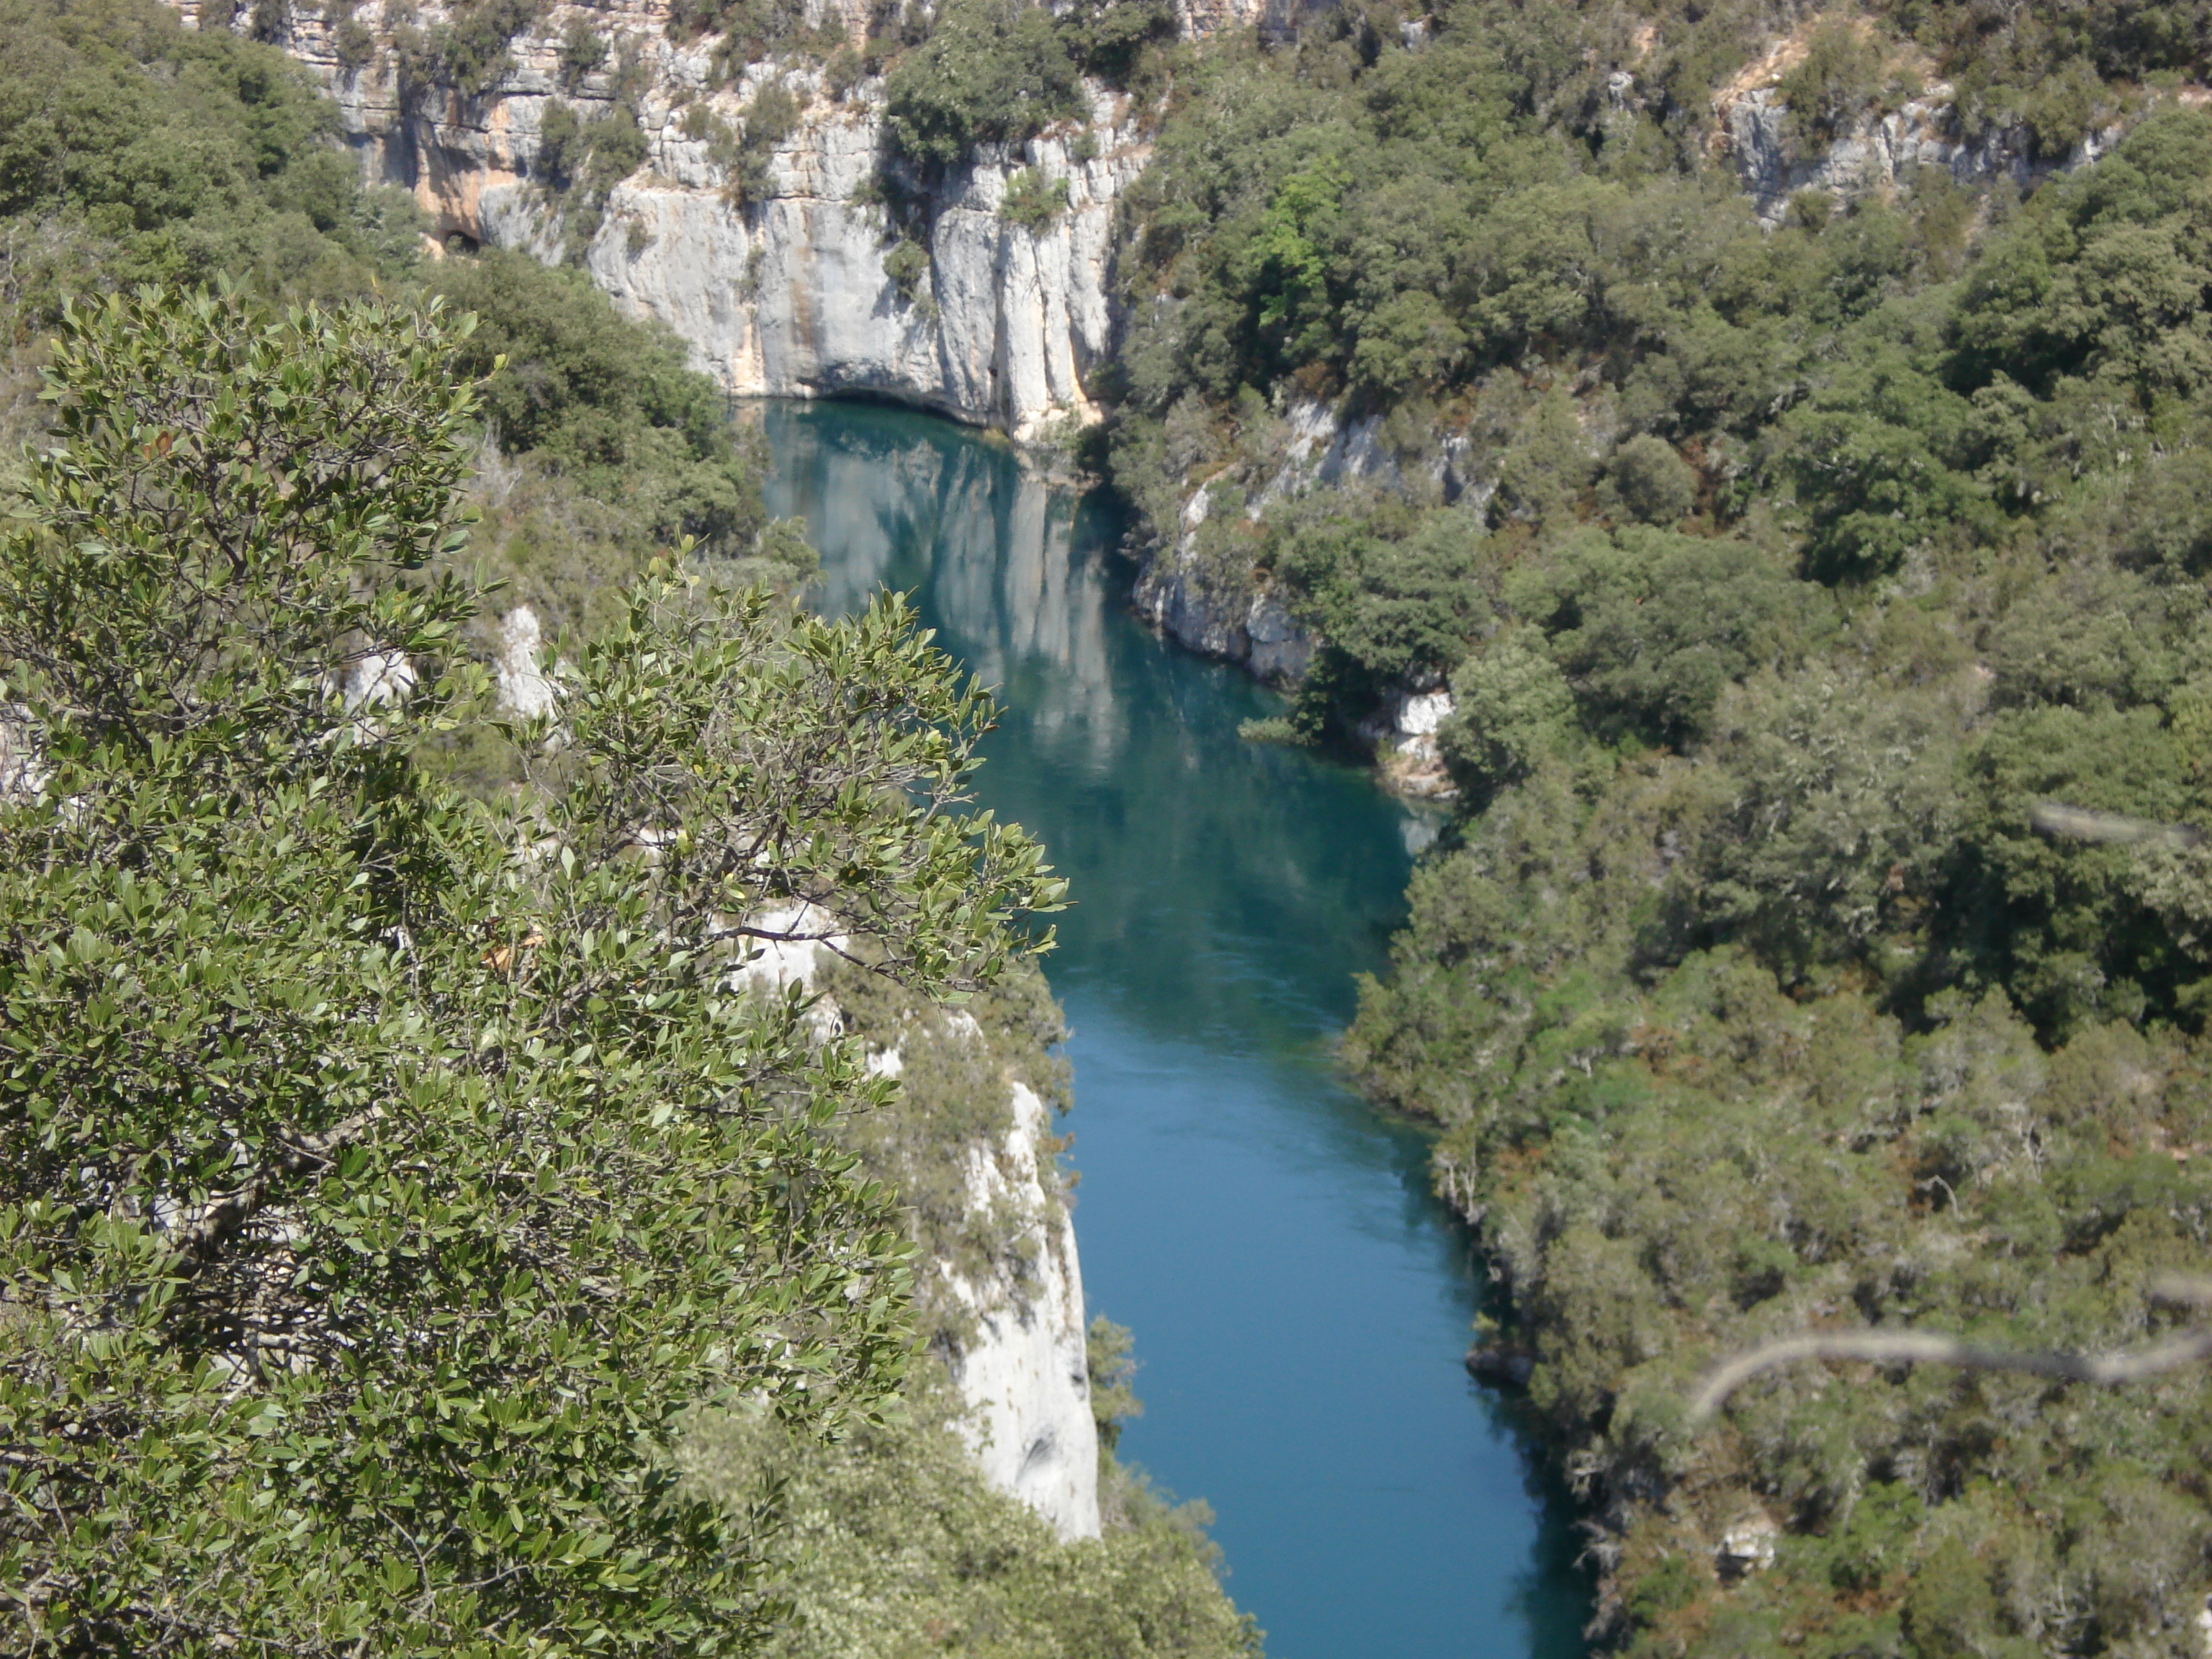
(1741, 465)
(1299, 1299)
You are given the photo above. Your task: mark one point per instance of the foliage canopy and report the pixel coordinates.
(1776, 574)
(388, 1175)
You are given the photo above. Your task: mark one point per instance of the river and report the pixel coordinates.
(1299, 1299)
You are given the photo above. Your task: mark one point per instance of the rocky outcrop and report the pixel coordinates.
(1879, 153)
(524, 688)
(1215, 605)
(1276, 20)
(1747, 1547)
(1022, 1365)
(22, 769)
(1026, 1376)
(788, 295)
(1880, 150)
(1403, 735)
(1223, 616)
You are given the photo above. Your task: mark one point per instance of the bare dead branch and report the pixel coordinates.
(2190, 1289)
(2061, 822)
(1933, 1348)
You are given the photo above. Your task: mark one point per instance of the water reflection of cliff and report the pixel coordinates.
(1245, 1212)
(1221, 887)
(991, 550)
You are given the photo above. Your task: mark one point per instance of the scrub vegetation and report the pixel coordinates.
(411, 1240)
(1778, 576)
(894, 1546)
(999, 71)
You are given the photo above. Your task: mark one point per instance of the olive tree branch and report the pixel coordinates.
(214, 1221)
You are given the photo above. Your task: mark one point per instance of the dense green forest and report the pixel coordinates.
(1783, 577)
(408, 1242)
(1787, 571)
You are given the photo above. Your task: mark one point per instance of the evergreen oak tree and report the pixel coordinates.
(384, 1175)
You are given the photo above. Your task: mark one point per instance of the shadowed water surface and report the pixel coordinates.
(1300, 1300)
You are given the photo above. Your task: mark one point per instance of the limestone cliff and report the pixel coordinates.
(785, 294)
(1001, 1291)
(1881, 150)
(790, 298)
(1026, 1375)
(969, 1145)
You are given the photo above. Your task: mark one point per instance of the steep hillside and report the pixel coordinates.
(133, 149)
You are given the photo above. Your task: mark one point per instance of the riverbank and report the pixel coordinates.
(1301, 1299)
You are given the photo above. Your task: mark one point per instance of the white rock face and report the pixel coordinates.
(1747, 1547)
(1223, 614)
(1027, 1380)
(1276, 19)
(379, 679)
(1220, 614)
(1403, 734)
(524, 688)
(1879, 152)
(786, 296)
(22, 773)
(1277, 649)
(1237, 625)
(780, 948)
(790, 298)
(1420, 713)
(1025, 1375)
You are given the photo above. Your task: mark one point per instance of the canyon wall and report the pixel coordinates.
(1026, 1375)
(787, 294)
(791, 298)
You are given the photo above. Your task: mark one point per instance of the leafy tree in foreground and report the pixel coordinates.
(383, 1176)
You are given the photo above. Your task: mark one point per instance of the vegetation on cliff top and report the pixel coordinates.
(999, 71)
(135, 149)
(895, 1546)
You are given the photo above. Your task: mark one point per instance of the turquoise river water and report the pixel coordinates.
(1299, 1299)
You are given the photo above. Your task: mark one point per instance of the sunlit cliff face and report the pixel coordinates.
(787, 294)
